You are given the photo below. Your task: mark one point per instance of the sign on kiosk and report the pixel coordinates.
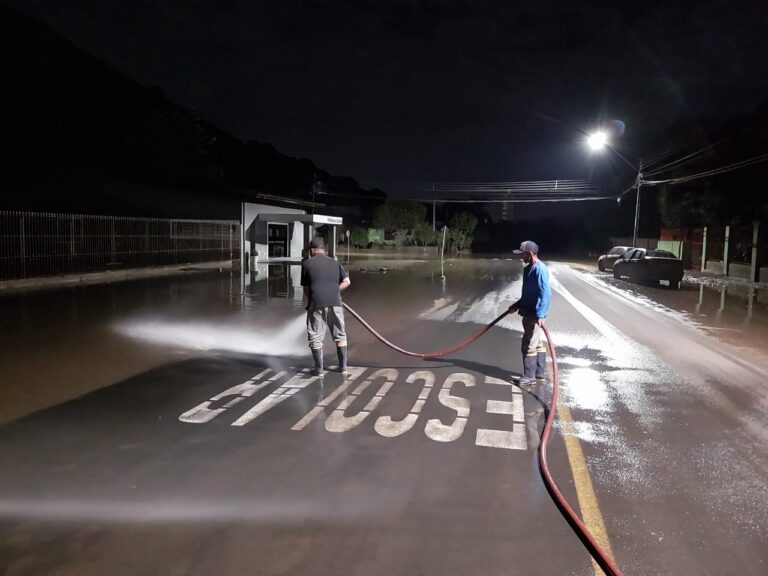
(320, 219)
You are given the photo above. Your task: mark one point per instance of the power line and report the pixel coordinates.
(350, 195)
(713, 172)
(659, 156)
(687, 158)
(515, 183)
(695, 154)
(627, 189)
(549, 191)
(508, 184)
(527, 191)
(512, 187)
(525, 198)
(515, 200)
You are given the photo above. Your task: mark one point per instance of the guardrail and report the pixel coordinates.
(34, 244)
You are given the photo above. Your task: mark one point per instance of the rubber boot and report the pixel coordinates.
(317, 355)
(341, 352)
(541, 367)
(529, 371)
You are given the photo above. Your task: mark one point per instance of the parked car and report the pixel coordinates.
(649, 267)
(607, 260)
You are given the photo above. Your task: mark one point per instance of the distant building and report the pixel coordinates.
(279, 234)
(274, 239)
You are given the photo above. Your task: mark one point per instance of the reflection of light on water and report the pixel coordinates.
(440, 310)
(583, 362)
(627, 294)
(593, 432)
(201, 336)
(623, 368)
(479, 311)
(492, 304)
(272, 510)
(586, 390)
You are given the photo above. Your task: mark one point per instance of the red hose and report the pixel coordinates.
(459, 346)
(600, 556)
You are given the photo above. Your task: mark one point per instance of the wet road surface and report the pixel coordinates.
(213, 451)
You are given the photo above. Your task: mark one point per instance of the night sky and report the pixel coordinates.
(395, 93)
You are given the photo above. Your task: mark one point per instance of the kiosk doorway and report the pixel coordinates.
(277, 240)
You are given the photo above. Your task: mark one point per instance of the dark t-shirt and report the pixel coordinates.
(322, 274)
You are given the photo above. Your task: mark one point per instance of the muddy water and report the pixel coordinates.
(57, 344)
(649, 435)
(60, 343)
(732, 312)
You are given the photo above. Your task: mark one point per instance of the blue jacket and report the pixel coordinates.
(536, 291)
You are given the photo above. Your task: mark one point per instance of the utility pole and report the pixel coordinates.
(347, 234)
(599, 140)
(442, 255)
(433, 207)
(314, 189)
(638, 183)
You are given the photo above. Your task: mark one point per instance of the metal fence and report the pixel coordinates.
(39, 244)
(736, 250)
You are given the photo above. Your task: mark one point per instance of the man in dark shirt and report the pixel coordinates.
(323, 279)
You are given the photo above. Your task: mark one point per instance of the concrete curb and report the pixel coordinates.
(109, 276)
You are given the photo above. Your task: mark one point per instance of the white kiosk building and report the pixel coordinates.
(272, 235)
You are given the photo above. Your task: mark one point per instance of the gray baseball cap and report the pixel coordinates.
(528, 246)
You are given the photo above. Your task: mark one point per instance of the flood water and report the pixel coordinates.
(733, 312)
(60, 343)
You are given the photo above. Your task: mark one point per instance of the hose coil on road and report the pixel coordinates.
(595, 550)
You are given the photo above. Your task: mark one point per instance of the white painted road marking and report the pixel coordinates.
(338, 422)
(381, 381)
(514, 439)
(499, 407)
(298, 382)
(388, 427)
(353, 374)
(435, 429)
(203, 413)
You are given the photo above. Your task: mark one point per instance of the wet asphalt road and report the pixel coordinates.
(201, 445)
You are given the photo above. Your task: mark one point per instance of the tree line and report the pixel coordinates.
(405, 224)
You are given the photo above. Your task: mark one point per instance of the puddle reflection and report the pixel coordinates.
(274, 280)
(739, 301)
(739, 313)
(736, 312)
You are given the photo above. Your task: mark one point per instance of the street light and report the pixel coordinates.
(599, 140)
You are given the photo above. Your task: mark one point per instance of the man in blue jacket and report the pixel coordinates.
(533, 307)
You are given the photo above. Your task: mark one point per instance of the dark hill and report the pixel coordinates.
(77, 135)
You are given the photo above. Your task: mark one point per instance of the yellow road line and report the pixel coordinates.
(585, 492)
